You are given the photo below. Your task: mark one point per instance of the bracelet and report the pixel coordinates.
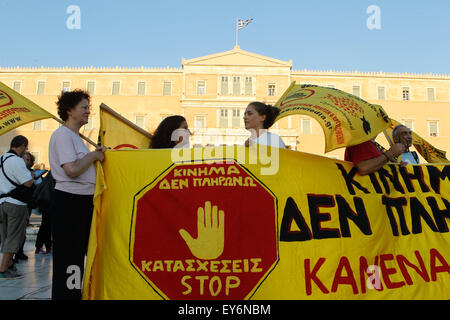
(387, 158)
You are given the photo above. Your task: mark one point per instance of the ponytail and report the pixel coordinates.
(268, 110)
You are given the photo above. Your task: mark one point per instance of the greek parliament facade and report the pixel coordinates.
(213, 91)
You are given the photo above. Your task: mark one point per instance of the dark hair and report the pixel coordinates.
(68, 100)
(18, 141)
(395, 131)
(268, 110)
(32, 158)
(162, 138)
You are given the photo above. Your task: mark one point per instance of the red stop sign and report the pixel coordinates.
(204, 231)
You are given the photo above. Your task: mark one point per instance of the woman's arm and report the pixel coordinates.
(77, 167)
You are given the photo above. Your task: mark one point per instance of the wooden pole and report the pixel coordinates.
(81, 136)
(388, 138)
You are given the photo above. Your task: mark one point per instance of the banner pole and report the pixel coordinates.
(388, 138)
(81, 135)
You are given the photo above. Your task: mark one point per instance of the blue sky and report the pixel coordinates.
(318, 35)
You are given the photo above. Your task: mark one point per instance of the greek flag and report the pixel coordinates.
(243, 23)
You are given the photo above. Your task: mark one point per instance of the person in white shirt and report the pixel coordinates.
(13, 212)
(402, 134)
(72, 167)
(29, 162)
(258, 118)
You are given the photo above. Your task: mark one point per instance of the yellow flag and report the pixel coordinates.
(118, 132)
(426, 150)
(217, 224)
(16, 110)
(346, 119)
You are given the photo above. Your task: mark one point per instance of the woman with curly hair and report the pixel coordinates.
(72, 166)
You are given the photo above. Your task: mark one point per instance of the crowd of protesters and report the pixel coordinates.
(66, 219)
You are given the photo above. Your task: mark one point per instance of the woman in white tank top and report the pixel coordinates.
(259, 117)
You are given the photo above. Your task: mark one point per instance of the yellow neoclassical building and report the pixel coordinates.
(213, 91)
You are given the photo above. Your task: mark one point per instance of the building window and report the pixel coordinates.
(236, 86)
(356, 90)
(200, 122)
(40, 88)
(433, 128)
(17, 86)
(90, 87)
(431, 94)
(248, 86)
(37, 125)
(409, 123)
(306, 126)
(141, 88)
(271, 88)
(65, 86)
(201, 87)
(224, 86)
(223, 118)
(381, 93)
(236, 120)
(405, 94)
(167, 88)
(115, 88)
(140, 121)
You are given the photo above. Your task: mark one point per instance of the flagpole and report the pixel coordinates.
(81, 136)
(237, 20)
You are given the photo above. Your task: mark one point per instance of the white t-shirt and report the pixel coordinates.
(270, 139)
(17, 171)
(66, 146)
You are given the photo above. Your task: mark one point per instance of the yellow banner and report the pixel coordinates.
(426, 150)
(117, 132)
(346, 120)
(16, 110)
(242, 223)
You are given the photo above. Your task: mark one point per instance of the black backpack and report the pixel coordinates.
(21, 192)
(43, 195)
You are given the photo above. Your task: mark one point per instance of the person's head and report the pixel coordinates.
(259, 115)
(402, 134)
(167, 135)
(74, 106)
(19, 144)
(29, 159)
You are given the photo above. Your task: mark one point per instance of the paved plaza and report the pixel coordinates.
(35, 283)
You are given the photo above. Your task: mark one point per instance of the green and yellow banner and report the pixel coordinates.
(346, 119)
(234, 223)
(16, 110)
